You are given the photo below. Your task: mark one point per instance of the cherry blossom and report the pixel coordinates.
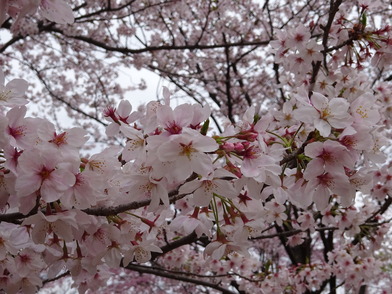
(135, 147)
(141, 252)
(186, 151)
(324, 113)
(330, 154)
(199, 223)
(222, 246)
(143, 187)
(174, 120)
(119, 116)
(15, 128)
(11, 93)
(43, 171)
(204, 189)
(82, 194)
(61, 224)
(323, 184)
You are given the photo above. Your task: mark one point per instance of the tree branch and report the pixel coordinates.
(157, 272)
(107, 211)
(192, 237)
(127, 51)
(334, 8)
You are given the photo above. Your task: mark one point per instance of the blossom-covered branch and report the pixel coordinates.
(289, 193)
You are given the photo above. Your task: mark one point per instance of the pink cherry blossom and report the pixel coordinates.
(122, 115)
(82, 194)
(322, 185)
(364, 111)
(174, 120)
(67, 142)
(330, 154)
(11, 93)
(274, 212)
(204, 189)
(43, 172)
(193, 222)
(141, 252)
(223, 246)
(64, 224)
(20, 8)
(324, 113)
(142, 187)
(18, 130)
(187, 152)
(135, 147)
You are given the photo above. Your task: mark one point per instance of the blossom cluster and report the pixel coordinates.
(114, 207)
(191, 200)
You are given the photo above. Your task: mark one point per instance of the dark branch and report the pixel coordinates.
(157, 272)
(334, 8)
(126, 50)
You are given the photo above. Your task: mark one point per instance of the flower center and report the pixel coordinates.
(5, 95)
(187, 150)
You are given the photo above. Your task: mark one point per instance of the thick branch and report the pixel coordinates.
(382, 209)
(157, 272)
(334, 8)
(103, 211)
(175, 244)
(10, 42)
(107, 211)
(228, 83)
(100, 211)
(300, 150)
(126, 50)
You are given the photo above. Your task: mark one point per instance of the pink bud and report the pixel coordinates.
(228, 147)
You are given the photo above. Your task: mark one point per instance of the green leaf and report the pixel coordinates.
(363, 20)
(204, 128)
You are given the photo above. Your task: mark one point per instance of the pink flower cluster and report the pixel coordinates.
(187, 199)
(230, 187)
